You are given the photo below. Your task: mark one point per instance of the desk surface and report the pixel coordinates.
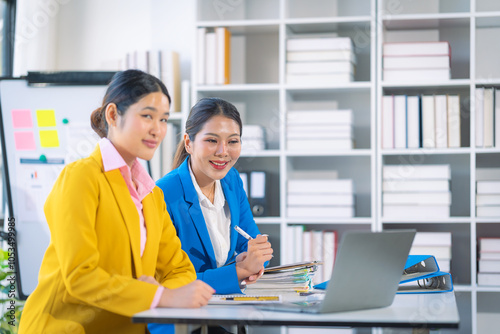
(432, 310)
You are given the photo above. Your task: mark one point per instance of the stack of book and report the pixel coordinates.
(253, 138)
(312, 245)
(429, 121)
(437, 244)
(416, 61)
(314, 60)
(489, 262)
(320, 198)
(296, 276)
(416, 191)
(319, 130)
(214, 56)
(488, 192)
(487, 116)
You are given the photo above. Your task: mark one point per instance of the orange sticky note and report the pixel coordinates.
(46, 118)
(49, 138)
(21, 118)
(24, 141)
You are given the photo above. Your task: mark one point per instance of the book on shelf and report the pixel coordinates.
(319, 79)
(321, 56)
(417, 198)
(320, 199)
(319, 67)
(428, 122)
(253, 138)
(210, 58)
(489, 244)
(333, 132)
(320, 144)
(413, 121)
(319, 44)
(479, 116)
(415, 62)
(438, 251)
(200, 61)
(400, 121)
(487, 174)
(486, 200)
(432, 239)
(323, 117)
(441, 114)
(488, 211)
(223, 38)
(416, 211)
(488, 279)
(488, 187)
(417, 186)
(440, 48)
(489, 255)
(412, 75)
(320, 211)
(497, 117)
(454, 133)
(387, 121)
(412, 172)
(488, 123)
(489, 266)
(326, 186)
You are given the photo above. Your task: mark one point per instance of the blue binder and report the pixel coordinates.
(422, 275)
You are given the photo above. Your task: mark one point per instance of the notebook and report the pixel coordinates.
(366, 275)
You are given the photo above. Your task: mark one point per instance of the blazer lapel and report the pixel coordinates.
(154, 225)
(128, 210)
(234, 208)
(194, 208)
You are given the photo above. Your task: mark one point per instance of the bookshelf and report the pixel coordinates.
(259, 89)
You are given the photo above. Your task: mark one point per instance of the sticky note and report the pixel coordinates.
(46, 118)
(21, 118)
(49, 138)
(24, 141)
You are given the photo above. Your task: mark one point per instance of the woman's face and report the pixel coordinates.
(139, 132)
(215, 150)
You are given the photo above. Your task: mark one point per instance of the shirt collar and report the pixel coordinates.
(218, 195)
(111, 159)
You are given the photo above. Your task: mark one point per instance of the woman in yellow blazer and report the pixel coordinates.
(112, 253)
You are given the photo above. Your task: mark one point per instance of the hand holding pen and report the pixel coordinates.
(250, 265)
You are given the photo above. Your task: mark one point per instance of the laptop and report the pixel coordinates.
(366, 274)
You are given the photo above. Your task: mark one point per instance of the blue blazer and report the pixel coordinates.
(185, 211)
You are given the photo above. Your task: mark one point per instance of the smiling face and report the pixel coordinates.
(215, 149)
(140, 130)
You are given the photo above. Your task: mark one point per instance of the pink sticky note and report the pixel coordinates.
(21, 118)
(25, 141)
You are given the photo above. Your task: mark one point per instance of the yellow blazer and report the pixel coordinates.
(87, 282)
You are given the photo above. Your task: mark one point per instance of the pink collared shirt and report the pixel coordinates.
(144, 185)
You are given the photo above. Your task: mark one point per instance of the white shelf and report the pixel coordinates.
(267, 98)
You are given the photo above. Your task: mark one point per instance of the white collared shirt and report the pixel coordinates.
(217, 218)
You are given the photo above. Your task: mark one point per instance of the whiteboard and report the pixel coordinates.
(43, 129)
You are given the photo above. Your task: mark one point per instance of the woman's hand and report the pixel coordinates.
(251, 263)
(192, 295)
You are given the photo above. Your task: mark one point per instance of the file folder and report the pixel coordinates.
(422, 275)
(257, 198)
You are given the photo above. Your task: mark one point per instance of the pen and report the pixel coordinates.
(243, 298)
(243, 233)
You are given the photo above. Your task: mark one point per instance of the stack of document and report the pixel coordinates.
(292, 277)
(253, 138)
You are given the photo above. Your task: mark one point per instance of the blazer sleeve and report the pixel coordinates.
(174, 269)
(71, 214)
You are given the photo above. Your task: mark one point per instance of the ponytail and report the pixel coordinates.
(180, 154)
(98, 122)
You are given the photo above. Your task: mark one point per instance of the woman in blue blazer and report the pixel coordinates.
(206, 200)
(204, 178)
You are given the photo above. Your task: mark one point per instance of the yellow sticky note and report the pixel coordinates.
(49, 138)
(46, 118)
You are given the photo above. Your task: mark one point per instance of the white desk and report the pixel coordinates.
(433, 310)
